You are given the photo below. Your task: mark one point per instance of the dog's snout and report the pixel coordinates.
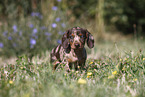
(77, 45)
(76, 39)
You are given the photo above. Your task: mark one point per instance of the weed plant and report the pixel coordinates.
(104, 77)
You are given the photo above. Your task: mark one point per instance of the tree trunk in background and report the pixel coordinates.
(48, 13)
(34, 5)
(99, 19)
(46, 6)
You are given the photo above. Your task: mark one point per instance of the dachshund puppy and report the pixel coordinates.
(71, 51)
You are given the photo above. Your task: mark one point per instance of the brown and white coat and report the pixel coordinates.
(72, 50)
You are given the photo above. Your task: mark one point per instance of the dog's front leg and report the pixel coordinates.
(67, 66)
(55, 65)
(82, 65)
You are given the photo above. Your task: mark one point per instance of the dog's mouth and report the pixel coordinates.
(77, 46)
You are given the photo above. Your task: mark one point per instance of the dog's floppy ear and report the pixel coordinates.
(65, 40)
(89, 39)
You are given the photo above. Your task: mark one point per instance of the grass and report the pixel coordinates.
(114, 70)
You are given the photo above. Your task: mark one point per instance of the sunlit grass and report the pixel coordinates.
(113, 68)
(104, 76)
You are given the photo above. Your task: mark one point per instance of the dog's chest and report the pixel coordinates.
(71, 57)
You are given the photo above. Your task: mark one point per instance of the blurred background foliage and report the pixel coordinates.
(32, 26)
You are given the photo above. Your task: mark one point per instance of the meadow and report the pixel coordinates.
(113, 70)
(115, 66)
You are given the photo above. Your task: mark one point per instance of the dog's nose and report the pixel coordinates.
(77, 45)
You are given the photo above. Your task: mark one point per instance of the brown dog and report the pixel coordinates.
(72, 50)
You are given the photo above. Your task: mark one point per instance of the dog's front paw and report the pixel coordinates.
(66, 67)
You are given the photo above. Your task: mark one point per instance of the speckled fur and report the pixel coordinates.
(72, 52)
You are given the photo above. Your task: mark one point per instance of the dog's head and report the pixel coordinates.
(76, 37)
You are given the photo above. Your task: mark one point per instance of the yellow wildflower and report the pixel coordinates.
(65, 74)
(82, 81)
(21, 67)
(143, 58)
(135, 79)
(10, 82)
(78, 67)
(114, 73)
(89, 74)
(91, 63)
(120, 60)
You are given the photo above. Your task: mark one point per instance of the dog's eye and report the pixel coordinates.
(71, 37)
(81, 36)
